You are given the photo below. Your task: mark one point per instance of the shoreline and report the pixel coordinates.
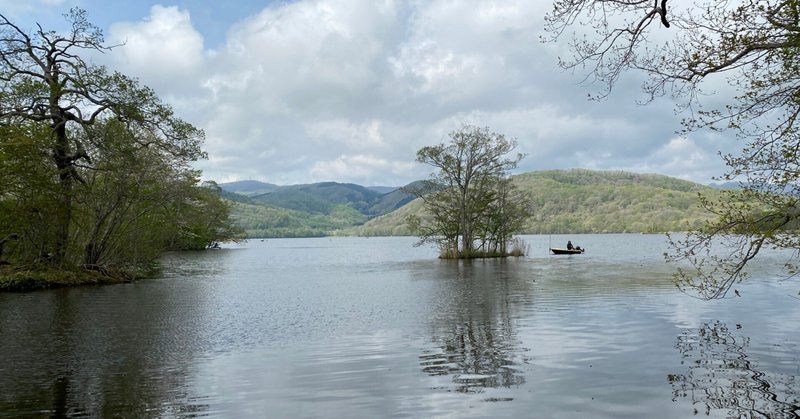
(12, 280)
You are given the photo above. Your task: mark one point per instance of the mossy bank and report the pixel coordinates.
(19, 280)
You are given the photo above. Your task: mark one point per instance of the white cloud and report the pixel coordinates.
(367, 169)
(313, 58)
(681, 157)
(164, 50)
(366, 135)
(348, 90)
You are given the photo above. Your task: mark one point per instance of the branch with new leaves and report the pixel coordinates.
(755, 47)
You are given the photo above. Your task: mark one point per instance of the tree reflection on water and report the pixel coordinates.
(95, 359)
(477, 357)
(722, 376)
(474, 333)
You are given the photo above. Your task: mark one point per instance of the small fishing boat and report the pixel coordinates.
(560, 251)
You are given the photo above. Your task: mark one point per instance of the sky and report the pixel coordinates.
(306, 91)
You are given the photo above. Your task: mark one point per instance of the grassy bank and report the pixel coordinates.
(29, 280)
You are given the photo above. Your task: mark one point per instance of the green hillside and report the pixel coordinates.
(391, 224)
(316, 209)
(248, 187)
(263, 220)
(565, 201)
(586, 201)
(322, 198)
(583, 201)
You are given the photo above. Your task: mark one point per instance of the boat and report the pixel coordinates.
(560, 251)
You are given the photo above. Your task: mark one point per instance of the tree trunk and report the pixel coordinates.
(61, 156)
(466, 228)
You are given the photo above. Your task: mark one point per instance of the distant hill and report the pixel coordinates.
(565, 201)
(383, 189)
(322, 198)
(726, 185)
(586, 201)
(264, 220)
(248, 187)
(311, 209)
(393, 200)
(235, 197)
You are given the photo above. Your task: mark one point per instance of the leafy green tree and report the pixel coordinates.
(506, 215)
(755, 45)
(27, 193)
(463, 196)
(441, 223)
(95, 171)
(44, 80)
(137, 201)
(203, 218)
(120, 192)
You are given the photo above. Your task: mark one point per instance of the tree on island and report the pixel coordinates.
(94, 168)
(757, 45)
(472, 207)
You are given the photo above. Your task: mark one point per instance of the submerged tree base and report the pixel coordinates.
(479, 255)
(518, 248)
(12, 279)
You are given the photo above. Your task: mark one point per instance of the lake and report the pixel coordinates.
(375, 327)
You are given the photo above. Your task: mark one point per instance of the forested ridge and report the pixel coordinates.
(588, 201)
(582, 201)
(309, 210)
(564, 201)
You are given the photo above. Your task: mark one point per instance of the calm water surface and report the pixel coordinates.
(357, 327)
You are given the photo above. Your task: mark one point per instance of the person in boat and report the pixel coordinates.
(569, 245)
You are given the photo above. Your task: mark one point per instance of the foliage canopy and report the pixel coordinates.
(473, 205)
(95, 168)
